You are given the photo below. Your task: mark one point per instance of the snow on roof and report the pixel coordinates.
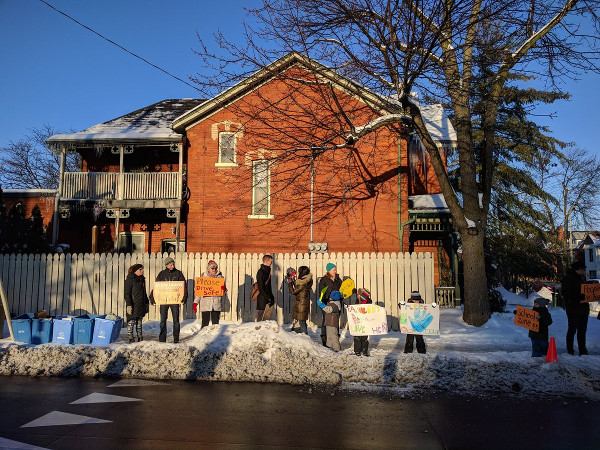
(428, 202)
(29, 192)
(437, 123)
(151, 123)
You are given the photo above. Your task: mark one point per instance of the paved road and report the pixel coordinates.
(183, 415)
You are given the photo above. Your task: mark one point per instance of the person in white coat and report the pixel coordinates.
(209, 307)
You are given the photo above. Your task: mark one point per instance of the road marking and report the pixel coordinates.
(135, 382)
(7, 443)
(98, 397)
(60, 418)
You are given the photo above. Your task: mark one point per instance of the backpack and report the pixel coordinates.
(254, 291)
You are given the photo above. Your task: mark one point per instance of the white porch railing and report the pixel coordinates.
(105, 186)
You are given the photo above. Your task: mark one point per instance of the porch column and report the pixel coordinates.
(179, 197)
(177, 228)
(119, 197)
(57, 197)
(117, 224)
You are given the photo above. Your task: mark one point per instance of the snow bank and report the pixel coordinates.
(490, 359)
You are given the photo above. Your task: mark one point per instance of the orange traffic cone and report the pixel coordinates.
(551, 355)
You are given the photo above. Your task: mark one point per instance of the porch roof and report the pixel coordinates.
(149, 124)
(427, 203)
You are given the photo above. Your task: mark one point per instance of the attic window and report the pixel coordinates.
(227, 149)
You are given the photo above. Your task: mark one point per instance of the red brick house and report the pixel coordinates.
(265, 166)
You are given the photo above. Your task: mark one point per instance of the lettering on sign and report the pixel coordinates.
(366, 320)
(168, 292)
(591, 292)
(209, 287)
(419, 318)
(527, 318)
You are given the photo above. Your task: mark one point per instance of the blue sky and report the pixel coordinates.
(56, 72)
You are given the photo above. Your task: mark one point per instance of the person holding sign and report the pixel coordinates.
(415, 297)
(577, 312)
(136, 300)
(210, 306)
(332, 318)
(361, 343)
(170, 273)
(539, 339)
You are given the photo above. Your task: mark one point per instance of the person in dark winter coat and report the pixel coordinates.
(300, 289)
(332, 318)
(415, 297)
(539, 339)
(332, 282)
(136, 300)
(361, 343)
(266, 299)
(577, 312)
(170, 273)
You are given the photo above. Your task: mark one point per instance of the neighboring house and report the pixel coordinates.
(30, 198)
(590, 249)
(222, 175)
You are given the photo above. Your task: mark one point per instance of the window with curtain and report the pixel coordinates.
(227, 150)
(261, 180)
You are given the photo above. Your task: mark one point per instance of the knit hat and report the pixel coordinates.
(212, 263)
(136, 267)
(329, 266)
(541, 301)
(415, 295)
(335, 295)
(168, 261)
(364, 296)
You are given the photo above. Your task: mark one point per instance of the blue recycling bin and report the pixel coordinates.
(41, 330)
(62, 329)
(22, 327)
(83, 328)
(106, 331)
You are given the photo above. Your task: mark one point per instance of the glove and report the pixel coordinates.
(129, 310)
(434, 304)
(223, 288)
(354, 291)
(271, 303)
(195, 307)
(152, 302)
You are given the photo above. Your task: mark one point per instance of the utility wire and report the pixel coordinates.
(120, 46)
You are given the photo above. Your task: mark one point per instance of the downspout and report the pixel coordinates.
(401, 224)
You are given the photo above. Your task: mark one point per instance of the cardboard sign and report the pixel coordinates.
(526, 318)
(366, 320)
(591, 292)
(169, 292)
(209, 287)
(419, 318)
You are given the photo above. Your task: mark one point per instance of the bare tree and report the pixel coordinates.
(30, 164)
(394, 47)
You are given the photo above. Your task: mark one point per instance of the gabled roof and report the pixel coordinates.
(149, 124)
(265, 74)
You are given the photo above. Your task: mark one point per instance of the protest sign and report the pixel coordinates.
(527, 318)
(366, 320)
(419, 318)
(169, 292)
(209, 287)
(591, 292)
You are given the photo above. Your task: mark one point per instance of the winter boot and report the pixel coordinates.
(130, 324)
(139, 330)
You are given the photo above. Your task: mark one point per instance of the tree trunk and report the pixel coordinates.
(477, 306)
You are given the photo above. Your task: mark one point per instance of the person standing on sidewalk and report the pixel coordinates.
(170, 273)
(136, 301)
(577, 312)
(332, 282)
(210, 307)
(415, 297)
(266, 299)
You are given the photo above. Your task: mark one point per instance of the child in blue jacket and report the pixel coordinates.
(332, 318)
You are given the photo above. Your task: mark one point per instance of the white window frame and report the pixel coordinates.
(253, 215)
(221, 163)
(173, 241)
(132, 234)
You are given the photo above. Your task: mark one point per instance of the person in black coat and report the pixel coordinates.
(539, 339)
(170, 273)
(136, 300)
(577, 312)
(266, 299)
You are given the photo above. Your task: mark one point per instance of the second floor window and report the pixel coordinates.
(227, 151)
(591, 254)
(261, 181)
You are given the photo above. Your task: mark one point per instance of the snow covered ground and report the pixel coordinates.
(494, 358)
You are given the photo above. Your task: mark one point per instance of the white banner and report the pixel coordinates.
(419, 318)
(366, 320)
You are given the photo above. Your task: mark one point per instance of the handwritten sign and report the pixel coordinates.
(526, 318)
(366, 320)
(419, 318)
(209, 287)
(169, 292)
(591, 292)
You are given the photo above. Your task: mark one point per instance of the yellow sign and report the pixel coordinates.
(591, 292)
(527, 318)
(209, 287)
(169, 292)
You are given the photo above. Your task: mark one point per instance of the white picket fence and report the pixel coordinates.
(84, 283)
